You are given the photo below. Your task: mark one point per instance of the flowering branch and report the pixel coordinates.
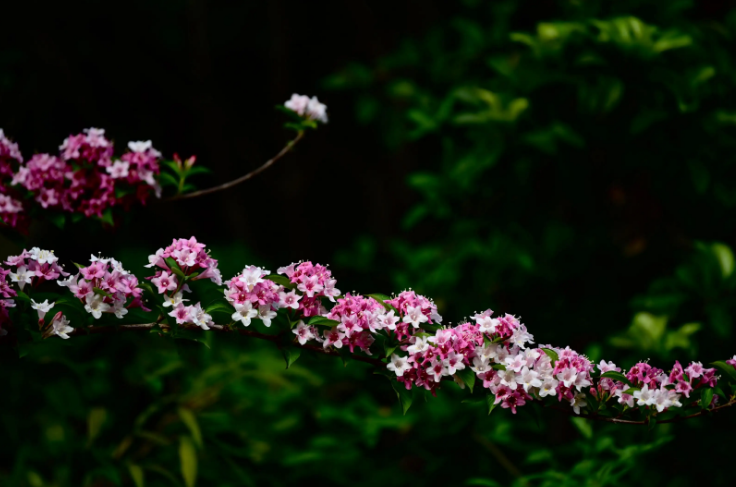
(86, 180)
(401, 335)
(290, 145)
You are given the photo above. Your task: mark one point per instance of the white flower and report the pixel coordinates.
(581, 381)
(578, 402)
(420, 345)
(42, 308)
(488, 352)
(244, 313)
(548, 387)
(200, 317)
(119, 309)
(644, 397)
(515, 362)
(398, 365)
(508, 378)
(330, 291)
(487, 324)
(266, 314)
(414, 316)
(297, 103)
(22, 277)
(529, 378)
(388, 320)
(174, 300)
(143, 146)
(454, 362)
(480, 365)
(42, 256)
(119, 169)
(95, 305)
(60, 327)
(251, 276)
(317, 110)
(568, 376)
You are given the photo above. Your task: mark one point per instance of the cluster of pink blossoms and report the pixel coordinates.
(11, 208)
(254, 296)
(315, 282)
(105, 287)
(34, 267)
(191, 262)
(84, 178)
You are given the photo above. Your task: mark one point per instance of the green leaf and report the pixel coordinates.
(322, 321)
(617, 376)
(390, 349)
(23, 296)
(58, 219)
(706, 397)
(467, 376)
(190, 420)
(281, 280)
(167, 179)
(101, 292)
(499, 366)
(136, 473)
(291, 354)
(188, 459)
(107, 217)
(219, 307)
(583, 426)
(631, 390)
(490, 398)
(95, 419)
(174, 266)
(727, 369)
(405, 396)
(551, 354)
(381, 298)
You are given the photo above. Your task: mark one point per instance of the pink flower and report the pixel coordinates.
(165, 282)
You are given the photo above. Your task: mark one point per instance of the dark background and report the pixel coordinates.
(602, 214)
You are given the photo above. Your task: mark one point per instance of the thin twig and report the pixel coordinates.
(246, 177)
(376, 363)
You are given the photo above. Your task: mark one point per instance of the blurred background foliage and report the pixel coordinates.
(568, 161)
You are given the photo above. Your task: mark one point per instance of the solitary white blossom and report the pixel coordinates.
(60, 326)
(398, 365)
(42, 308)
(96, 305)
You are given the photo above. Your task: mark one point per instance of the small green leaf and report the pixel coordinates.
(291, 354)
(23, 296)
(190, 420)
(617, 376)
(171, 262)
(499, 366)
(322, 321)
(390, 349)
(551, 354)
(382, 298)
(281, 281)
(405, 396)
(107, 217)
(59, 219)
(631, 390)
(101, 292)
(490, 401)
(468, 377)
(136, 473)
(499, 339)
(583, 426)
(221, 307)
(188, 459)
(95, 419)
(706, 397)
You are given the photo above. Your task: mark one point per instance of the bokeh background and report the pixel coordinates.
(568, 161)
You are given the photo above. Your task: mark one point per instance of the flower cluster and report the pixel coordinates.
(11, 209)
(182, 261)
(84, 178)
(495, 351)
(254, 296)
(310, 108)
(105, 287)
(315, 282)
(34, 266)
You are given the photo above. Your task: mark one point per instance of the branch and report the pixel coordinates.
(246, 177)
(276, 339)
